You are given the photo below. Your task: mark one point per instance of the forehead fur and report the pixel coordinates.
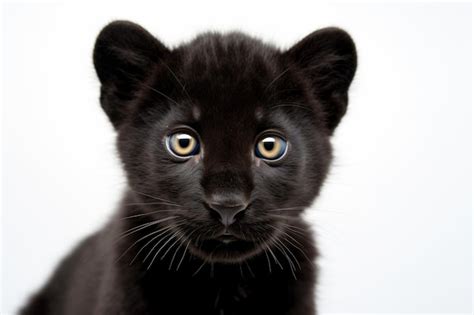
(235, 67)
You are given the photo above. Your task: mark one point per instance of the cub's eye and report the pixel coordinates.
(271, 148)
(182, 144)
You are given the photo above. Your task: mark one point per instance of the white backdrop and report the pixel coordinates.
(394, 219)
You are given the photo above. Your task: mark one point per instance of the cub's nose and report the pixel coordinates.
(227, 207)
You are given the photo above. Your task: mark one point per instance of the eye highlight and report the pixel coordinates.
(182, 144)
(271, 148)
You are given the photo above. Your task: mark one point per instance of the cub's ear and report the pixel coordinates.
(125, 55)
(328, 58)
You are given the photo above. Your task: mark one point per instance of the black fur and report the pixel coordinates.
(226, 89)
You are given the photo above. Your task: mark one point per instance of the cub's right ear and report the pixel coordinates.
(328, 59)
(125, 55)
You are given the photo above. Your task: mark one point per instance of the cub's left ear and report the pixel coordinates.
(328, 58)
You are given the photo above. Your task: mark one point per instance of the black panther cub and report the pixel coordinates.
(225, 141)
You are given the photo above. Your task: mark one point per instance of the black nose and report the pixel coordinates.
(227, 206)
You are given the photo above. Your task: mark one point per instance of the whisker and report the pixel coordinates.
(292, 105)
(143, 226)
(281, 249)
(154, 197)
(171, 246)
(142, 238)
(182, 257)
(302, 209)
(177, 80)
(140, 82)
(274, 257)
(174, 255)
(286, 209)
(268, 260)
(180, 245)
(293, 229)
(277, 78)
(156, 244)
(199, 269)
(290, 236)
(166, 230)
(150, 203)
(299, 249)
(290, 263)
(206, 261)
(152, 212)
(289, 218)
(265, 250)
(160, 93)
(250, 269)
(159, 250)
(290, 252)
(286, 235)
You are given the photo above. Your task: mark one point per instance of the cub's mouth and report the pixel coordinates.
(227, 238)
(225, 248)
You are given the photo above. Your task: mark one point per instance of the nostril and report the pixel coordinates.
(214, 213)
(238, 215)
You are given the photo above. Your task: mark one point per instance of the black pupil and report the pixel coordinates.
(268, 145)
(184, 143)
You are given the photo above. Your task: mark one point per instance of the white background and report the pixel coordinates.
(394, 219)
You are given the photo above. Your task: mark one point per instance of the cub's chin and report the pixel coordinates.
(225, 249)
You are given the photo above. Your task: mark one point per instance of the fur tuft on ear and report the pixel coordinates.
(125, 55)
(328, 58)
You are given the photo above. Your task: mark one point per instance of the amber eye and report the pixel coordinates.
(182, 144)
(271, 148)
